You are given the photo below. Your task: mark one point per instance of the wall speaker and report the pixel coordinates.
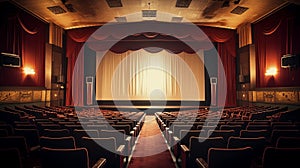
(89, 90)
(10, 60)
(290, 61)
(213, 89)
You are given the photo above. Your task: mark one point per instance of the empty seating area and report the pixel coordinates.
(250, 136)
(34, 136)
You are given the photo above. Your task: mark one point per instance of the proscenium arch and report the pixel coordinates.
(120, 31)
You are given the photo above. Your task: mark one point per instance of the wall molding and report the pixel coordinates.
(284, 95)
(9, 95)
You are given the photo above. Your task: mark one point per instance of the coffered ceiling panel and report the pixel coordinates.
(83, 13)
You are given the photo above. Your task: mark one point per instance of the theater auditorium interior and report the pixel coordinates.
(149, 83)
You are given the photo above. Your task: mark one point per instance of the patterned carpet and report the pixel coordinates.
(151, 149)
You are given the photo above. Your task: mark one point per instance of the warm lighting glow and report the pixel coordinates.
(29, 71)
(271, 72)
(55, 95)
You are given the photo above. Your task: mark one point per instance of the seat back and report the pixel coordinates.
(10, 157)
(95, 127)
(101, 148)
(126, 128)
(283, 133)
(117, 134)
(281, 157)
(79, 133)
(58, 143)
(254, 133)
(233, 158)
(259, 127)
(61, 158)
(222, 133)
(257, 144)
(185, 135)
(285, 127)
(31, 135)
(236, 128)
(8, 127)
(56, 133)
(3, 133)
(177, 128)
(199, 146)
(18, 142)
(288, 142)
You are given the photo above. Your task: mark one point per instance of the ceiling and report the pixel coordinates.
(85, 13)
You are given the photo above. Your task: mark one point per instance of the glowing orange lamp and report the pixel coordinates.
(271, 71)
(28, 71)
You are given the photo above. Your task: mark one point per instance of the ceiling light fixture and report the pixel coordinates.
(68, 6)
(183, 3)
(236, 1)
(121, 19)
(149, 14)
(226, 3)
(114, 3)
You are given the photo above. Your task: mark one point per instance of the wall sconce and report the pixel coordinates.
(28, 71)
(271, 71)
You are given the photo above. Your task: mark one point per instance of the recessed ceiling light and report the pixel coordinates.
(183, 3)
(56, 9)
(149, 13)
(121, 19)
(114, 3)
(239, 10)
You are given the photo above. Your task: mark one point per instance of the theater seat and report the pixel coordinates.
(10, 157)
(105, 148)
(288, 142)
(58, 143)
(199, 148)
(281, 157)
(223, 157)
(62, 158)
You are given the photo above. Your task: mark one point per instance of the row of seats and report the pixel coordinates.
(200, 133)
(47, 134)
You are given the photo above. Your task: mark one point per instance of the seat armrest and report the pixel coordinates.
(169, 135)
(128, 139)
(128, 145)
(184, 156)
(184, 149)
(201, 163)
(120, 149)
(176, 139)
(100, 163)
(35, 148)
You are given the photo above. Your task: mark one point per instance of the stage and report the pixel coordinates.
(151, 109)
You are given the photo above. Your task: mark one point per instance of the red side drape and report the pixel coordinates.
(75, 79)
(24, 35)
(226, 40)
(275, 36)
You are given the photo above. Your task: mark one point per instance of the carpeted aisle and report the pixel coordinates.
(151, 149)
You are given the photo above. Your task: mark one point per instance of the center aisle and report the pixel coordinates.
(151, 149)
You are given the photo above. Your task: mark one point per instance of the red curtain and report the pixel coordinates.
(75, 41)
(224, 37)
(226, 40)
(24, 35)
(275, 36)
